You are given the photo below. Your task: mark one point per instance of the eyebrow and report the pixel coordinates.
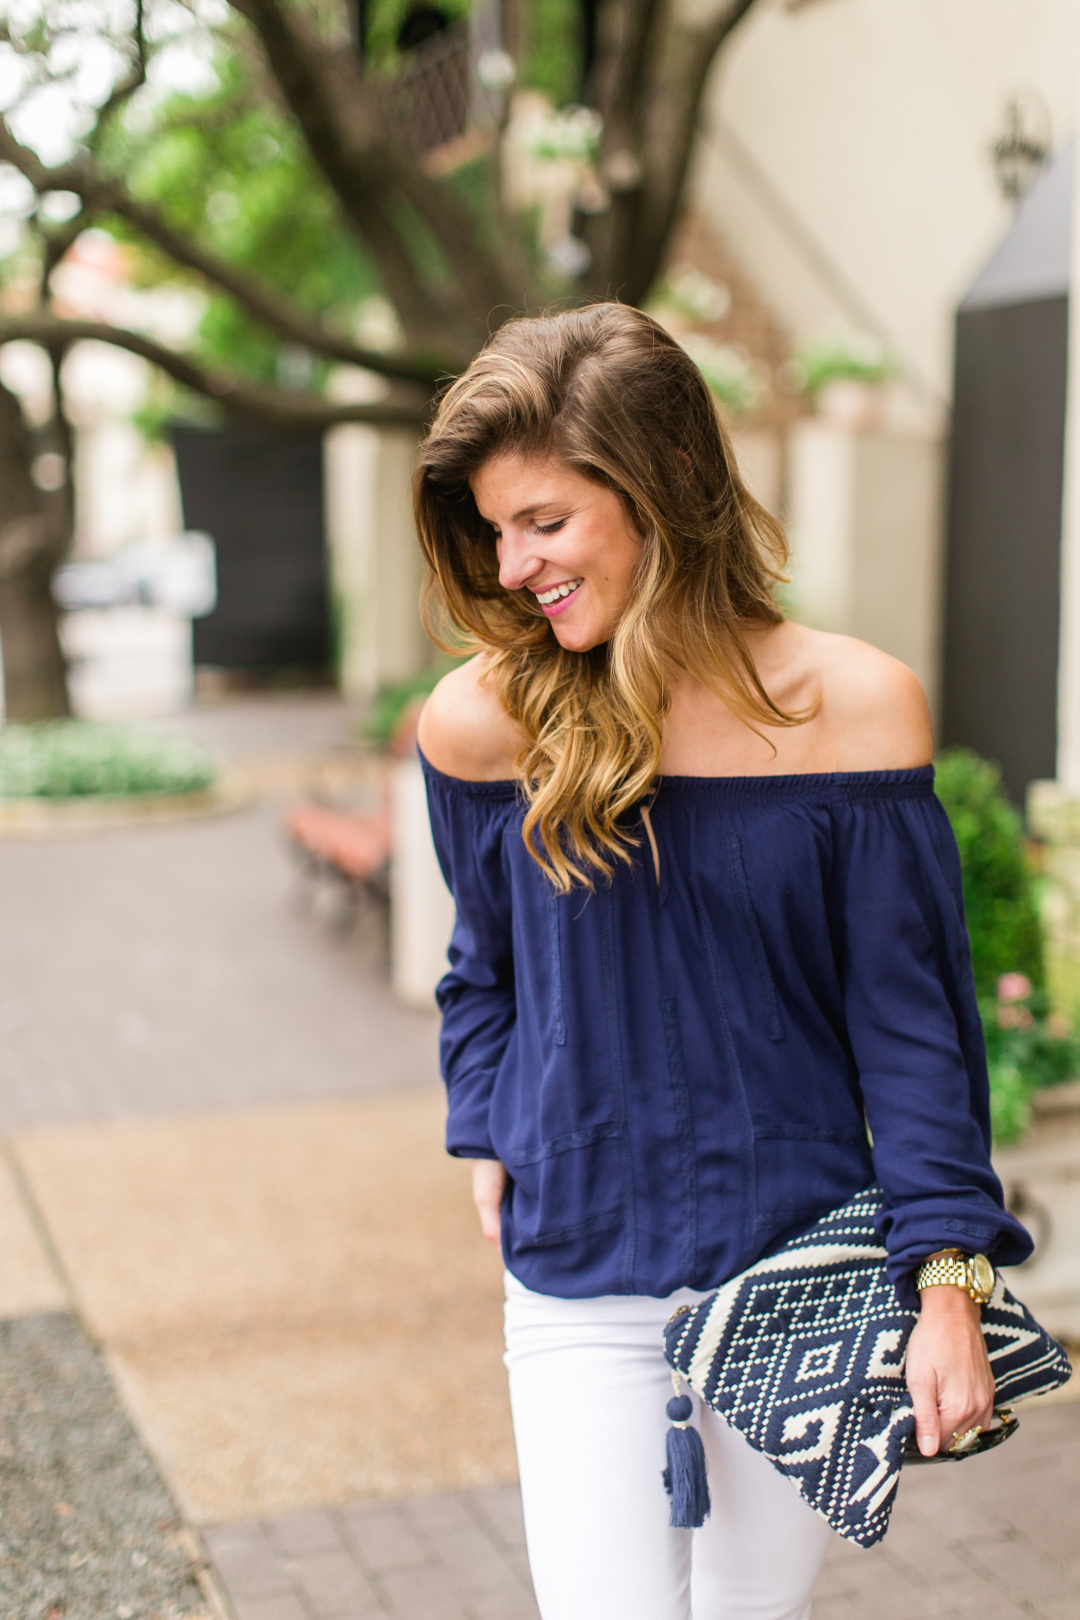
(538, 506)
(526, 511)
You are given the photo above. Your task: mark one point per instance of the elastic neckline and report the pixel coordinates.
(503, 787)
(912, 783)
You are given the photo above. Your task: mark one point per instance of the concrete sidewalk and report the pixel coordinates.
(222, 1177)
(173, 968)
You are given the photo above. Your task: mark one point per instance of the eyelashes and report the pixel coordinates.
(539, 528)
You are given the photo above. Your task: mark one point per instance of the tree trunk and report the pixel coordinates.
(32, 541)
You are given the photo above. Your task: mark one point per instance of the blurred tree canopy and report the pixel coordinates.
(307, 164)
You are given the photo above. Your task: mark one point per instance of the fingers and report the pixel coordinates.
(489, 1189)
(490, 1222)
(928, 1426)
(948, 1370)
(969, 1404)
(940, 1418)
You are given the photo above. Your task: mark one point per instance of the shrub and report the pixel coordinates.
(65, 759)
(856, 357)
(391, 702)
(1027, 1045)
(999, 889)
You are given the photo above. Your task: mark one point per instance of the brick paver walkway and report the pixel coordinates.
(996, 1538)
(455, 1557)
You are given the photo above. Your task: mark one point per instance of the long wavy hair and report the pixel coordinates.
(609, 393)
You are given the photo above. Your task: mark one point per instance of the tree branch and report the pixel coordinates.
(126, 87)
(660, 103)
(55, 244)
(350, 134)
(21, 540)
(103, 193)
(727, 15)
(252, 402)
(335, 109)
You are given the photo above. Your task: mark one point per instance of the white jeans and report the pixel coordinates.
(588, 1389)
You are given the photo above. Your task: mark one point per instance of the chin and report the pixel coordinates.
(579, 641)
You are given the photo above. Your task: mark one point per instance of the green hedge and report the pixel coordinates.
(67, 759)
(1028, 1044)
(999, 889)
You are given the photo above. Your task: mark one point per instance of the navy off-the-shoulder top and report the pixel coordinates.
(678, 1074)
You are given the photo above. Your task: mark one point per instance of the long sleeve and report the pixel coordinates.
(476, 997)
(915, 1034)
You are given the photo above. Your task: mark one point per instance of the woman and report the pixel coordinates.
(709, 976)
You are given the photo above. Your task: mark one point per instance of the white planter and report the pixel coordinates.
(855, 406)
(421, 906)
(1041, 1177)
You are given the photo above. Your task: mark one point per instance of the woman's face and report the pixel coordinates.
(562, 537)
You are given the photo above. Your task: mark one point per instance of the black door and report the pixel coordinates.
(260, 496)
(1004, 543)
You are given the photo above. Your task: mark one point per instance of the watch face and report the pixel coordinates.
(983, 1274)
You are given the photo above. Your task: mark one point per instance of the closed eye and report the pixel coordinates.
(551, 528)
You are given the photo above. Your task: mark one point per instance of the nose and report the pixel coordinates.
(518, 563)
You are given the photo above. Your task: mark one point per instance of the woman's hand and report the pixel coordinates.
(948, 1370)
(488, 1190)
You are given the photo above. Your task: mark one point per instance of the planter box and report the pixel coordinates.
(421, 906)
(1041, 1177)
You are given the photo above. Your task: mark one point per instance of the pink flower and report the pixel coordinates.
(1014, 987)
(1059, 1026)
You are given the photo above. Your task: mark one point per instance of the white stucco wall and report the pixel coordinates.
(857, 134)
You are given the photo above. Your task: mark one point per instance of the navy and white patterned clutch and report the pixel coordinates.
(803, 1353)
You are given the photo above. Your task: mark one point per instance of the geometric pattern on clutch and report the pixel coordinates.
(803, 1353)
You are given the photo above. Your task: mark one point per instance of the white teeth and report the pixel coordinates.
(545, 598)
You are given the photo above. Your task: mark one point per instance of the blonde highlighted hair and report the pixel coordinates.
(609, 393)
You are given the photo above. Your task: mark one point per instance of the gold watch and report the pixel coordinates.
(971, 1272)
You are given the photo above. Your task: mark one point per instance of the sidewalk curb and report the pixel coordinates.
(52, 818)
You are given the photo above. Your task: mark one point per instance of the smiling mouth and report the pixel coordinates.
(557, 594)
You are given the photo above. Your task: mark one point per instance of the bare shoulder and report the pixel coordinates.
(464, 730)
(873, 707)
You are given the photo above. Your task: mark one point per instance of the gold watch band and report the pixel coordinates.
(941, 1270)
(951, 1267)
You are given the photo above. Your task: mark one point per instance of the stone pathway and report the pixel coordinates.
(168, 969)
(994, 1539)
(991, 1539)
(459, 1556)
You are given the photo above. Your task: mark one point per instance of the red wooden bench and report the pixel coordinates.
(350, 847)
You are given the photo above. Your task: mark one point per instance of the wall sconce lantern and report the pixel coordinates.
(1023, 145)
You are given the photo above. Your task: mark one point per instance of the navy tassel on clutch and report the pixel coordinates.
(803, 1355)
(684, 1476)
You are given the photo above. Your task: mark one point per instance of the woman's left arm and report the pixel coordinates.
(914, 1028)
(916, 1039)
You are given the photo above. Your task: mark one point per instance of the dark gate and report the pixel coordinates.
(260, 496)
(1003, 565)
(1004, 557)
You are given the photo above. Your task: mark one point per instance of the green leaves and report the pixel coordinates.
(231, 172)
(999, 890)
(1028, 1045)
(63, 759)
